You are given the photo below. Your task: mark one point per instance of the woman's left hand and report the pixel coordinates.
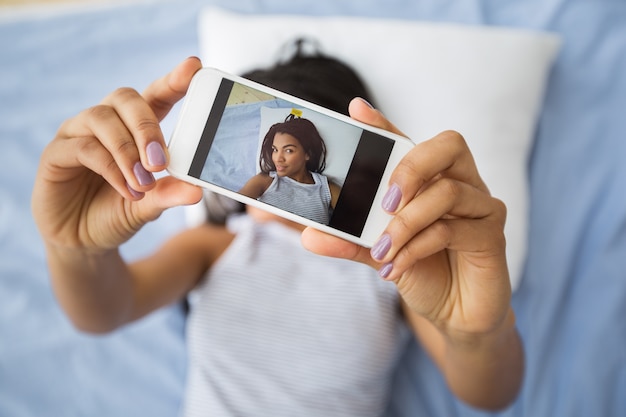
(445, 246)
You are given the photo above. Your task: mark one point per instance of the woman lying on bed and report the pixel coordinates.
(275, 329)
(292, 162)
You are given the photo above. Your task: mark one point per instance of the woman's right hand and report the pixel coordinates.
(95, 186)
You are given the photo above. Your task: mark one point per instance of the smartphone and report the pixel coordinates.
(236, 137)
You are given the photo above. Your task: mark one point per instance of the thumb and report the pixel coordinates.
(168, 192)
(362, 111)
(327, 245)
(163, 93)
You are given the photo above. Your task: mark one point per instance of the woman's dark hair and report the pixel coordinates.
(314, 77)
(306, 133)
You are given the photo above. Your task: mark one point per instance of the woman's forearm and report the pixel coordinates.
(93, 288)
(486, 371)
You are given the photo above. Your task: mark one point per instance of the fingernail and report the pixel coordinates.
(366, 102)
(392, 198)
(143, 177)
(133, 192)
(155, 153)
(385, 270)
(381, 247)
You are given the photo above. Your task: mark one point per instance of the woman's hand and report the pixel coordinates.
(445, 251)
(445, 246)
(95, 186)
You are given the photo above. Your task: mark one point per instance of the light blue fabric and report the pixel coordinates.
(572, 300)
(233, 158)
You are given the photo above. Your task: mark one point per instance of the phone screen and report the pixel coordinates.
(230, 152)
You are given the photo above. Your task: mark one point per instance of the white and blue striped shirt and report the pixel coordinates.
(275, 330)
(311, 201)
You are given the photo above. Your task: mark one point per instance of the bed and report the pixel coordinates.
(570, 298)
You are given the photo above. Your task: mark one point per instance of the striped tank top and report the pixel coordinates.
(311, 201)
(275, 330)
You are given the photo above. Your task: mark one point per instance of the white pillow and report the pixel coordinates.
(485, 82)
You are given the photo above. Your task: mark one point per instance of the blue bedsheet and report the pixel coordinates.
(235, 147)
(572, 299)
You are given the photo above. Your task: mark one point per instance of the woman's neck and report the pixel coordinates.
(304, 177)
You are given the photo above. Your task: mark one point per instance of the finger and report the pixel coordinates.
(444, 198)
(141, 115)
(467, 238)
(87, 153)
(168, 192)
(160, 97)
(143, 130)
(362, 111)
(447, 152)
(100, 140)
(327, 245)
(162, 94)
(446, 155)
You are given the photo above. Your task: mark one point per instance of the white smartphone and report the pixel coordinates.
(234, 135)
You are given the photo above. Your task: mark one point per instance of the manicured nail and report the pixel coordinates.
(133, 192)
(385, 270)
(381, 247)
(155, 153)
(143, 177)
(367, 103)
(392, 198)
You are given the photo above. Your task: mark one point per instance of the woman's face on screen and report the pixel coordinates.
(289, 156)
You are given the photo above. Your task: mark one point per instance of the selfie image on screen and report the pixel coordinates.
(293, 158)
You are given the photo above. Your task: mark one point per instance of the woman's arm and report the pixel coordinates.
(445, 250)
(483, 369)
(100, 292)
(256, 186)
(95, 189)
(334, 193)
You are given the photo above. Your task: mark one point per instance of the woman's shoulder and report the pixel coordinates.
(256, 185)
(334, 189)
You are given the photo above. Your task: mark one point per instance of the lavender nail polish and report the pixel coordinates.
(381, 247)
(134, 193)
(155, 154)
(392, 198)
(143, 177)
(385, 270)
